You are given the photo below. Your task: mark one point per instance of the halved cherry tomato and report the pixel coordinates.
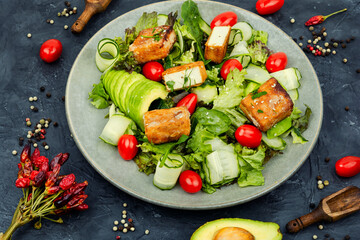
(153, 71)
(189, 101)
(224, 19)
(348, 166)
(50, 50)
(276, 62)
(248, 136)
(229, 65)
(127, 146)
(190, 181)
(264, 7)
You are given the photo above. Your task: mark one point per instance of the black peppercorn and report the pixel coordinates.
(295, 40)
(327, 159)
(44, 144)
(312, 205)
(63, 98)
(343, 45)
(347, 237)
(35, 109)
(67, 3)
(318, 178)
(358, 70)
(49, 120)
(56, 124)
(352, 38)
(347, 108)
(348, 40)
(327, 235)
(48, 95)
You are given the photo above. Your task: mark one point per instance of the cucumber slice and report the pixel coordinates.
(251, 87)
(215, 171)
(114, 129)
(276, 143)
(235, 37)
(166, 177)
(204, 27)
(288, 78)
(279, 128)
(240, 49)
(257, 74)
(245, 28)
(294, 94)
(162, 19)
(107, 54)
(297, 137)
(206, 93)
(245, 61)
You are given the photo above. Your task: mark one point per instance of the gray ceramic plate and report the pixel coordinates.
(87, 122)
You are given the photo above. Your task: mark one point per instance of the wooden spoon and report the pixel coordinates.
(332, 208)
(91, 8)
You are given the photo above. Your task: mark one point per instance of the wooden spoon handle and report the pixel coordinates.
(84, 18)
(300, 223)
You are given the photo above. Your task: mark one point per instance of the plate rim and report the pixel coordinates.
(180, 206)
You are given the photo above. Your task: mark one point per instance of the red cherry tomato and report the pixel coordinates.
(153, 71)
(264, 7)
(189, 101)
(248, 136)
(50, 50)
(348, 166)
(190, 181)
(224, 19)
(276, 62)
(127, 146)
(229, 65)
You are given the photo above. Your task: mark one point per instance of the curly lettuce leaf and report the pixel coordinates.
(259, 52)
(147, 162)
(100, 99)
(260, 36)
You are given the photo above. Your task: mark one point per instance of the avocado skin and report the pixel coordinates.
(260, 230)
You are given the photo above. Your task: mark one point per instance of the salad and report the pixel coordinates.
(203, 104)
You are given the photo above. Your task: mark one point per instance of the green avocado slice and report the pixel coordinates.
(115, 87)
(260, 230)
(133, 78)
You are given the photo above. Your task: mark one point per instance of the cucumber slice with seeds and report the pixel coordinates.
(257, 74)
(245, 28)
(288, 78)
(107, 54)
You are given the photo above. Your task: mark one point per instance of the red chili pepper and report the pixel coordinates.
(64, 158)
(38, 161)
(33, 174)
(82, 207)
(55, 161)
(44, 167)
(27, 168)
(35, 154)
(29, 197)
(22, 182)
(53, 176)
(25, 153)
(51, 190)
(67, 182)
(320, 18)
(76, 201)
(39, 179)
(66, 196)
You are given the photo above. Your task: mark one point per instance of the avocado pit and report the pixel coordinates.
(233, 233)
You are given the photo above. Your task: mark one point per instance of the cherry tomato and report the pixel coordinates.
(348, 166)
(50, 50)
(127, 146)
(229, 65)
(248, 136)
(276, 62)
(264, 7)
(190, 181)
(189, 101)
(153, 71)
(224, 19)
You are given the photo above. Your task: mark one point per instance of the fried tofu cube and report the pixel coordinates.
(271, 107)
(167, 125)
(153, 43)
(216, 45)
(185, 76)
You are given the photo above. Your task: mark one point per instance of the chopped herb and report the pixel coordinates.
(260, 111)
(156, 36)
(255, 91)
(187, 80)
(259, 94)
(170, 85)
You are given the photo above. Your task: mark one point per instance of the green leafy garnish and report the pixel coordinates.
(260, 111)
(170, 85)
(100, 99)
(259, 94)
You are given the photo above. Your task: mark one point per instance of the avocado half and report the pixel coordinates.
(260, 230)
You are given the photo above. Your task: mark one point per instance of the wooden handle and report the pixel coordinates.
(84, 18)
(300, 223)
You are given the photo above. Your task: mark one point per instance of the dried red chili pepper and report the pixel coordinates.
(51, 190)
(25, 153)
(29, 197)
(39, 178)
(76, 201)
(33, 174)
(27, 169)
(55, 161)
(82, 207)
(38, 161)
(64, 158)
(320, 18)
(51, 179)
(22, 182)
(66, 196)
(67, 181)
(44, 167)
(35, 154)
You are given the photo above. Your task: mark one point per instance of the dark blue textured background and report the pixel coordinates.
(22, 73)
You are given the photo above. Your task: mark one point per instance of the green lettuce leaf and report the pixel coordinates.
(147, 20)
(302, 122)
(231, 95)
(259, 52)
(213, 120)
(250, 177)
(196, 142)
(254, 157)
(213, 76)
(260, 36)
(147, 162)
(191, 15)
(100, 99)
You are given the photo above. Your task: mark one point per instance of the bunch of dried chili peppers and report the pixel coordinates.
(45, 191)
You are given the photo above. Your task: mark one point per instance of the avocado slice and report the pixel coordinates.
(115, 87)
(260, 230)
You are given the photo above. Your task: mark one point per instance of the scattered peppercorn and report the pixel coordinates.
(147, 231)
(358, 70)
(115, 228)
(14, 152)
(326, 183)
(42, 89)
(295, 40)
(63, 98)
(118, 237)
(48, 95)
(315, 236)
(347, 237)
(29, 35)
(51, 21)
(327, 235)
(44, 144)
(345, 60)
(347, 108)
(292, 20)
(35, 109)
(312, 205)
(56, 124)
(343, 45)
(311, 28)
(313, 33)
(67, 3)
(66, 27)
(48, 20)
(321, 227)
(327, 159)
(124, 204)
(318, 178)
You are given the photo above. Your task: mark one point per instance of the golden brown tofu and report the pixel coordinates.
(153, 44)
(167, 125)
(216, 45)
(188, 75)
(267, 110)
